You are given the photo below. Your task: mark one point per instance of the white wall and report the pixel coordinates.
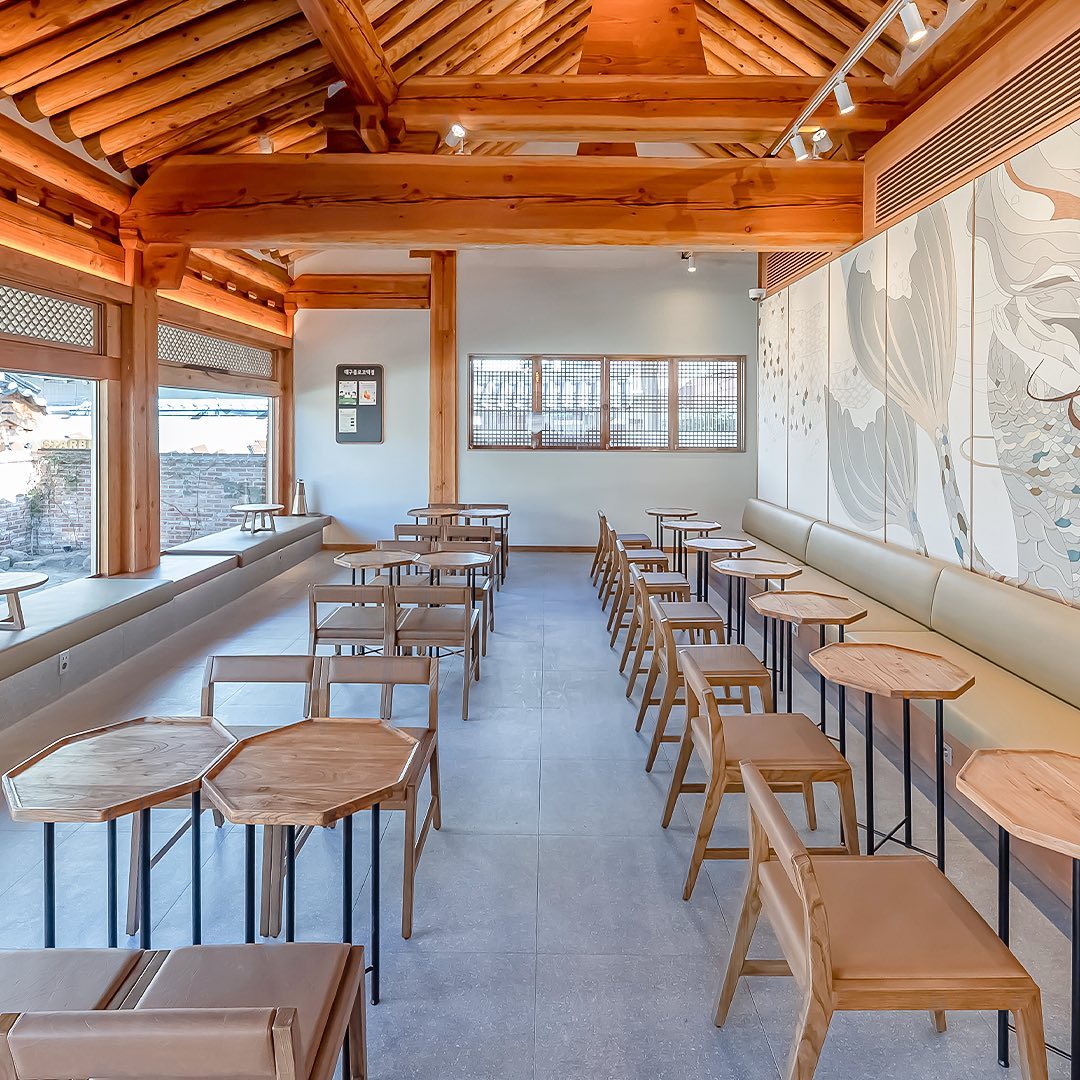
(589, 300)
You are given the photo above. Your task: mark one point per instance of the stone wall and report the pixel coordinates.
(198, 492)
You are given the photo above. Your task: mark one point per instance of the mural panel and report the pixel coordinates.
(808, 445)
(772, 399)
(1026, 434)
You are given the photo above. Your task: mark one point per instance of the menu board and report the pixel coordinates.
(358, 403)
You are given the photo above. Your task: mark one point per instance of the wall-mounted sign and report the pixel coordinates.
(359, 403)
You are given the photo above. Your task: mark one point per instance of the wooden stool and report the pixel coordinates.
(258, 517)
(790, 750)
(664, 585)
(609, 574)
(644, 559)
(703, 625)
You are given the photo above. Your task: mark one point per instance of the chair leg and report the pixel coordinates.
(714, 793)
(409, 863)
(671, 688)
(937, 1018)
(1030, 1041)
(133, 877)
(811, 807)
(386, 701)
(639, 656)
(810, 1035)
(631, 639)
(218, 816)
(466, 678)
(740, 947)
(686, 748)
(358, 1036)
(618, 610)
(845, 789)
(433, 784)
(646, 697)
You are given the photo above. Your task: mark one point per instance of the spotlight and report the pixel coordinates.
(798, 148)
(266, 146)
(913, 24)
(455, 136)
(843, 97)
(821, 142)
(691, 265)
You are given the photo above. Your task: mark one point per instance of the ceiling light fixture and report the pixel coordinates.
(844, 101)
(691, 265)
(913, 23)
(266, 145)
(821, 142)
(455, 136)
(798, 148)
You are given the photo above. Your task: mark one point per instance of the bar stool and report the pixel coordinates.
(702, 625)
(789, 749)
(644, 559)
(665, 585)
(610, 563)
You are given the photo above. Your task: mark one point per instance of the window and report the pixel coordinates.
(606, 402)
(179, 346)
(47, 475)
(214, 450)
(56, 320)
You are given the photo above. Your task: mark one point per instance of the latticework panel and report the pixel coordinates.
(179, 346)
(570, 395)
(501, 397)
(41, 317)
(710, 398)
(638, 394)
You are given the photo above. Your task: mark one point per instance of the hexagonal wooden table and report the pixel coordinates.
(683, 530)
(806, 609)
(313, 773)
(107, 772)
(740, 571)
(894, 671)
(374, 560)
(709, 547)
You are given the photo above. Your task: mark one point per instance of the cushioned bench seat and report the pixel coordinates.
(69, 614)
(187, 571)
(248, 548)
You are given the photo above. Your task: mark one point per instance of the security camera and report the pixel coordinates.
(757, 295)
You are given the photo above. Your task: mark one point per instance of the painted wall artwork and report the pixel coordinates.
(952, 385)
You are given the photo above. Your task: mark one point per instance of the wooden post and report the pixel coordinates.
(443, 405)
(284, 430)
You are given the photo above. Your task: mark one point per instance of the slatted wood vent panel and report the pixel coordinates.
(1033, 98)
(783, 267)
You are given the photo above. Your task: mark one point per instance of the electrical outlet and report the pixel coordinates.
(65, 661)
(948, 754)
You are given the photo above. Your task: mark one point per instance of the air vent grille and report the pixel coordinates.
(783, 267)
(1030, 100)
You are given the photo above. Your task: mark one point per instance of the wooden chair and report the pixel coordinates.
(502, 529)
(701, 624)
(362, 616)
(412, 570)
(646, 559)
(487, 579)
(598, 554)
(390, 672)
(198, 1011)
(664, 585)
(283, 670)
(789, 750)
(438, 617)
(609, 575)
(418, 532)
(861, 933)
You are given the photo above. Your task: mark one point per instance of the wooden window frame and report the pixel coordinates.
(672, 446)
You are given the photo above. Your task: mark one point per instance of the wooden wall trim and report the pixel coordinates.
(195, 293)
(42, 359)
(443, 403)
(27, 229)
(222, 382)
(27, 268)
(360, 291)
(192, 317)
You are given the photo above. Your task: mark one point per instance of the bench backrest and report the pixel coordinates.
(784, 529)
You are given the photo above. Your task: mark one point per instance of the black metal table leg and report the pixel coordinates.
(249, 883)
(742, 610)
(871, 836)
(196, 869)
(660, 532)
(1003, 933)
(821, 680)
(144, 879)
(701, 575)
(841, 706)
(290, 882)
(788, 630)
(907, 771)
(765, 636)
(375, 904)
(730, 582)
(346, 914)
(939, 755)
(110, 846)
(49, 883)
(775, 665)
(1074, 1037)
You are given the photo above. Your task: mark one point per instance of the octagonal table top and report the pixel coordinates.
(670, 511)
(693, 525)
(807, 608)
(891, 670)
(107, 772)
(455, 560)
(374, 560)
(434, 511)
(314, 772)
(1033, 794)
(486, 512)
(726, 544)
(762, 569)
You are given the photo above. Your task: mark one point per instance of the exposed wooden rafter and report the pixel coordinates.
(346, 33)
(401, 291)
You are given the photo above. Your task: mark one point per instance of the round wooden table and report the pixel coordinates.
(894, 671)
(684, 530)
(374, 560)
(13, 583)
(433, 513)
(469, 561)
(108, 772)
(312, 774)
(1033, 795)
(663, 513)
(258, 517)
(714, 547)
(502, 515)
(806, 609)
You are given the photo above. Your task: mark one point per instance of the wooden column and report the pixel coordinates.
(285, 430)
(443, 408)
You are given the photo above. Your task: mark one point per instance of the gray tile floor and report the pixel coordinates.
(550, 939)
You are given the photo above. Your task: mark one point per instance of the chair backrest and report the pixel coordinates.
(487, 506)
(700, 689)
(378, 671)
(666, 624)
(469, 533)
(432, 596)
(417, 532)
(418, 547)
(342, 595)
(152, 1044)
(285, 669)
(771, 831)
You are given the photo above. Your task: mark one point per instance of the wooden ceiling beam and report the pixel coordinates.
(427, 28)
(361, 291)
(794, 22)
(461, 30)
(730, 53)
(628, 108)
(283, 200)
(350, 40)
(848, 31)
(299, 132)
(765, 56)
(152, 56)
(226, 95)
(768, 33)
(245, 269)
(714, 63)
(559, 55)
(244, 137)
(400, 17)
(522, 41)
(27, 21)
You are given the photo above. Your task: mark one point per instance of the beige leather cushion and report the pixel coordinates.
(48, 980)
(440, 622)
(897, 578)
(1031, 636)
(304, 976)
(1000, 710)
(249, 548)
(895, 918)
(878, 616)
(784, 529)
(769, 740)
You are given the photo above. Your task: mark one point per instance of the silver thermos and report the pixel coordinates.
(299, 500)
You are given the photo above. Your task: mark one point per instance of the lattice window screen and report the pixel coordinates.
(179, 346)
(638, 391)
(570, 396)
(709, 404)
(41, 317)
(501, 392)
